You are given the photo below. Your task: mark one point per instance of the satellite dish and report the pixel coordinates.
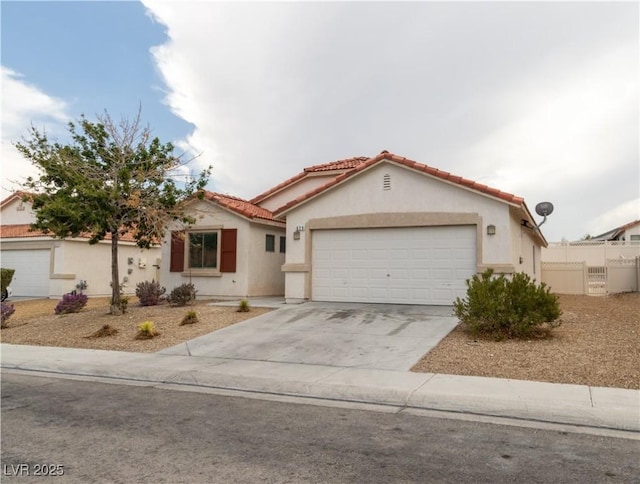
(544, 208)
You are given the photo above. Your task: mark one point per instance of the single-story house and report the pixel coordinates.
(627, 232)
(234, 249)
(391, 230)
(49, 267)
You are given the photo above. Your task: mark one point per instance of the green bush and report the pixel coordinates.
(182, 295)
(501, 307)
(190, 318)
(6, 276)
(243, 306)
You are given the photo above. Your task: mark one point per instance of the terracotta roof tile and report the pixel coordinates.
(23, 230)
(346, 164)
(339, 165)
(401, 160)
(240, 206)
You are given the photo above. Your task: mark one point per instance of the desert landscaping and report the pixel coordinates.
(598, 343)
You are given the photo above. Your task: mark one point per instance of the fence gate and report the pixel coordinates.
(596, 280)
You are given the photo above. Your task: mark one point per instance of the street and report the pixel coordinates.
(81, 431)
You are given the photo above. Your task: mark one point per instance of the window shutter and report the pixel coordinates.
(228, 250)
(177, 252)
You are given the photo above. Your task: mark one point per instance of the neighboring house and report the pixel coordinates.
(391, 230)
(234, 249)
(49, 267)
(628, 232)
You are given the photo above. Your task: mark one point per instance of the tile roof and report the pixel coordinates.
(240, 206)
(14, 196)
(346, 164)
(15, 231)
(401, 160)
(613, 233)
(338, 165)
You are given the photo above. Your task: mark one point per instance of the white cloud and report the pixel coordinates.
(622, 214)
(540, 99)
(23, 105)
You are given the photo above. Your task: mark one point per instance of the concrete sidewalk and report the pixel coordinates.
(605, 408)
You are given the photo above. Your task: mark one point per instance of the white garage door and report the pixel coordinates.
(32, 271)
(412, 265)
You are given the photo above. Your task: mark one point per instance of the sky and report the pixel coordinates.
(539, 99)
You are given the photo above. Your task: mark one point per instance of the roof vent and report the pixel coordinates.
(386, 182)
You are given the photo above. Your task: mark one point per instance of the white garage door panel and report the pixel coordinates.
(412, 265)
(32, 271)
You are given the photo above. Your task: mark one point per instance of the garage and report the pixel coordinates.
(407, 265)
(31, 278)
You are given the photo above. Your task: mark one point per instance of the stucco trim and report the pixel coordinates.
(201, 273)
(394, 219)
(296, 267)
(62, 276)
(497, 268)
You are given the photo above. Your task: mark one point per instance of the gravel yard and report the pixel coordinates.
(34, 323)
(598, 343)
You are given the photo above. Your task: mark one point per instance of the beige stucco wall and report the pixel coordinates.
(414, 200)
(300, 187)
(265, 276)
(255, 273)
(74, 261)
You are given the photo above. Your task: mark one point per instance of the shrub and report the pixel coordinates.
(71, 303)
(190, 318)
(6, 276)
(243, 306)
(149, 293)
(500, 307)
(147, 330)
(6, 311)
(182, 295)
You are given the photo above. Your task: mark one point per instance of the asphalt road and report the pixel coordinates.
(100, 432)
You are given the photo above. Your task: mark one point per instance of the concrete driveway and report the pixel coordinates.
(373, 336)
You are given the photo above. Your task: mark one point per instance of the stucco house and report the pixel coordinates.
(627, 232)
(390, 230)
(234, 249)
(50, 267)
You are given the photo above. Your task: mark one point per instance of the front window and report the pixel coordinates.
(203, 250)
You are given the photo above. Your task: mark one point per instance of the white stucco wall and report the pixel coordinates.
(631, 231)
(410, 193)
(300, 187)
(73, 260)
(16, 213)
(256, 274)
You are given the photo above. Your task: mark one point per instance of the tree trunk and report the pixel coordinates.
(116, 308)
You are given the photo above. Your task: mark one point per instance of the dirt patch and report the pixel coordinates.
(103, 332)
(34, 323)
(598, 344)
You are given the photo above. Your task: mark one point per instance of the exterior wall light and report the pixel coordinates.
(491, 230)
(296, 235)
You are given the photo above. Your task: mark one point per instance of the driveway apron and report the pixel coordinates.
(373, 336)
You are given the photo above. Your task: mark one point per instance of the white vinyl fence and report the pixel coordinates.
(615, 276)
(594, 252)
